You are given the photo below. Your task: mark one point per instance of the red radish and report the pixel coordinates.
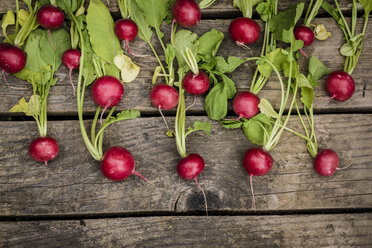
(12, 58)
(43, 149)
(164, 96)
(340, 86)
(244, 30)
(107, 91)
(305, 34)
(118, 163)
(257, 162)
(196, 84)
(189, 168)
(186, 13)
(245, 104)
(71, 59)
(126, 30)
(50, 17)
(326, 162)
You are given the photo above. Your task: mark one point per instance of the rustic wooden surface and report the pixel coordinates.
(339, 230)
(62, 101)
(70, 204)
(73, 183)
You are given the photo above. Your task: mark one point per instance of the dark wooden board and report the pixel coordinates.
(73, 183)
(338, 230)
(220, 8)
(62, 102)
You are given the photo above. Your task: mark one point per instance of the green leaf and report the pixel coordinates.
(228, 66)
(367, 5)
(155, 11)
(317, 68)
(264, 10)
(334, 13)
(73, 5)
(267, 109)
(52, 54)
(30, 108)
(170, 54)
(101, 32)
(183, 39)
(352, 46)
(285, 20)
(215, 103)
(126, 115)
(246, 6)
(210, 42)
(276, 57)
(231, 124)
(307, 96)
(228, 85)
(8, 19)
(262, 118)
(254, 131)
(200, 126)
(304, 82)
(32, 49)
(89, 73)
(136, 14)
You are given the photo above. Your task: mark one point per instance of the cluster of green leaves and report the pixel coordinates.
(23, 18)
(353, 46)
(43, 60)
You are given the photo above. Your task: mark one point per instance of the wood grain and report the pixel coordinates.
(221, 8)
(338, 230)
(62, 102)
(73, 183)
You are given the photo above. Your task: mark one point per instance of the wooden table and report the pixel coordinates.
(70, 204)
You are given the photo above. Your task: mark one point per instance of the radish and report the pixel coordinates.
(305, 34)
(164, 96)
(245, 104)
(340, 86)
(71, 59)
(126, 30)
(107, 91)
(326, 162)
(43, 149)
(186, 13)
(118, 163)
(196, 84)
(257, 162)
(189, 168)
(12, 59)
(50, 17)
(244, 30)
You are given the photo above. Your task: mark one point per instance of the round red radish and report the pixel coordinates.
(126, 29)
(305, 34)
(245, 104)
(326, 162)
(257, 162)
(196, 84)
(164, 96)
(186, 13)
(244, 30)
(107, 91)
(71, 59)
(43, 149)
(340, 85)
(118, 163)
(12, 58)
(190, 166)
(50, 17)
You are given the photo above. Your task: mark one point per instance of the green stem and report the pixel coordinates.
(301, 119)
(17, 20)
(314, 11)
(159, 61)
(353, 18)
(94, 124)
(308, 11)
(180, 120)
(343, 19)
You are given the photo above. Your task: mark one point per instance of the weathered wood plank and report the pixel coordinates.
(219, 8)
(73, 184)
(339, 230)
(137, 93)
